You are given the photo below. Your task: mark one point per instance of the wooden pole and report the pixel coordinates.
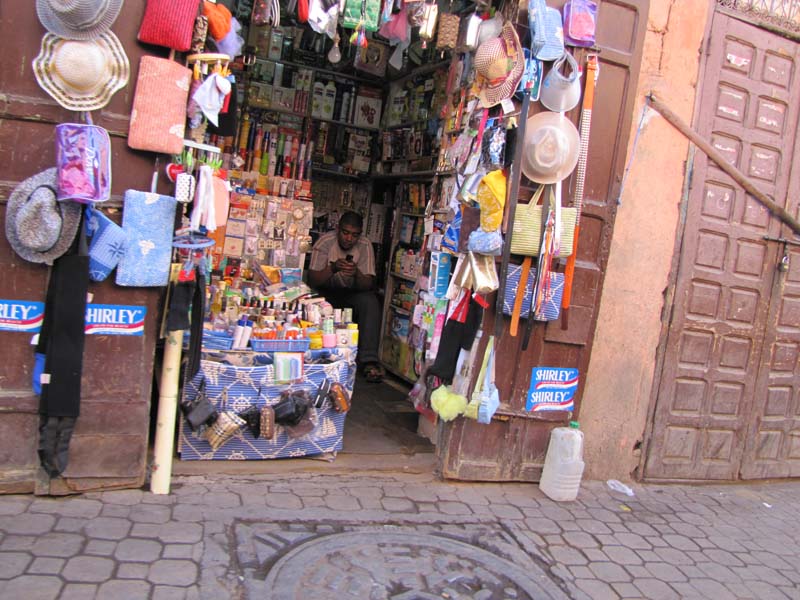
(167, 412)
(735, 174)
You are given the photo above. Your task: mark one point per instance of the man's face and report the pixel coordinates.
(348, 236)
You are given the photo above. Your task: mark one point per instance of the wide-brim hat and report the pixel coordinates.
(38, 227)
(82, 75)
(78, 19)
(499, 63)
(551, 147)
(562, 92)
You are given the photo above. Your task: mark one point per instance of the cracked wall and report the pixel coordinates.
(620, 375)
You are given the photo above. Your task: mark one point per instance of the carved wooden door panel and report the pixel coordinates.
(727, 401)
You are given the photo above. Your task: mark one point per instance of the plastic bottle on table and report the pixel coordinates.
(563, 464)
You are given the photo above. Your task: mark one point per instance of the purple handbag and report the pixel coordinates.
(83, 163)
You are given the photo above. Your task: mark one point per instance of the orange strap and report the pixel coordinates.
(569, 271)
(523, 283)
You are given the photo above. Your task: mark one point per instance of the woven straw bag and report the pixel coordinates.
(526, 237)
(447, 34)
(158, 117)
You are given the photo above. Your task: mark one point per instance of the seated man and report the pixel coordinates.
(342, 269)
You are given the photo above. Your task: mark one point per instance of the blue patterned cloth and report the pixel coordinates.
(107, 243)
(149, 221)
(551, 308)
(237, 388)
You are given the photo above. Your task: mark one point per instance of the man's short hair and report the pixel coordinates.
(353, 219)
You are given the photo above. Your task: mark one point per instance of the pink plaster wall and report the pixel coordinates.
(620, 376)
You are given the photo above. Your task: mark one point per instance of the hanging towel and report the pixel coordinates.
(204, 211)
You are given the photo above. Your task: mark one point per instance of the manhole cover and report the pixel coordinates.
(400, 566)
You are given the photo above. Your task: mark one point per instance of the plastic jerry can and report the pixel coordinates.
(563, 464)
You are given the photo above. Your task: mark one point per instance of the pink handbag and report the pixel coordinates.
(169, 23)
(158, 117)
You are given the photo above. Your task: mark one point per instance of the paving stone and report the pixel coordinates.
(283, 501)
(567, 555)
(366, 503)
(632, 540)
(13, 564)
(427, 507)
(133, 570)
(70, 525)
(222, 500)
(638, 572)
(685, 591)
(30, 587)
(570, 525)
(124, 497)
(78, 591)
(672, 556)
(180, 533)
(364, 491)
(178, 551)
(642, 529)
(473, 496)
(722, 557)
(654, 589)
(622, 555)
(765, 573)
(626, 590)
(17, 542)
(581, 572)
(173, 572)
(14, 505)
(79, 508)
(129, 590)
(454, 508)
(27, 524)
(417, 493)
(100, 547)
(150, 513)
(89, 569)
(609, 572)
(166, 592)
(580, 539)
(44, 565)
(718, 572)
(520, 500)
(188, 513)
(771, 560)
(556, 513)
(542, 525)
(595, 555)
(597, 590)
(592, 526)
(395, 505)
(505, 511)
(666, 572)
(342, 502)
(138, 550)
(166, 499)
(108, 528)
(116, 510)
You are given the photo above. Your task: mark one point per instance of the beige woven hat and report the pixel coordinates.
(551, 148)
(78, 19)
(499, 63)
(82, 75)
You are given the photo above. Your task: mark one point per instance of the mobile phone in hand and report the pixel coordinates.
(349, 258)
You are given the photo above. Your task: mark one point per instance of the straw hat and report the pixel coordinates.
(78, 19)
(82, 75)
(499, 63)
(551, 147)
(38, 227)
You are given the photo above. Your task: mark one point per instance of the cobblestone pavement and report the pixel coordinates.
(401, 536)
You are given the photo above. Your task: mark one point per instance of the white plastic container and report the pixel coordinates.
(563, 464)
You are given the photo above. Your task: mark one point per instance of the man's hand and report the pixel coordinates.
(344, 266)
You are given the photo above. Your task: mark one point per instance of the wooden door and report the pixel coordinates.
(109, 447)
(513, 446)
(727, 403)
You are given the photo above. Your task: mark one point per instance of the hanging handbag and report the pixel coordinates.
(526, 236)
(484, 273)
(447, 34)
(169, 23)
(199, 411)
(158, 116)
(551, 305)
(361, 12)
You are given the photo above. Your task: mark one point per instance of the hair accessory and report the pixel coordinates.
(38, 227)
(81, 75)
(78, 19)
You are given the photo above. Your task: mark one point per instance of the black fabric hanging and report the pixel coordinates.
(61, 340)
(455, 337)
(184, 294)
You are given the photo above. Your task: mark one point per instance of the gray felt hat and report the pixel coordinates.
(39, 227)
(78, 19)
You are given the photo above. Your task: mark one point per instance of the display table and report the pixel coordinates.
(238, 380)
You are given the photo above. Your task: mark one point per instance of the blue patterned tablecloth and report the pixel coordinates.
(249, 380)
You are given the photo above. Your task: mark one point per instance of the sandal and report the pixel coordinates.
(373, 373)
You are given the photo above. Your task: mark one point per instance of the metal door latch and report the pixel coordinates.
(783, 265)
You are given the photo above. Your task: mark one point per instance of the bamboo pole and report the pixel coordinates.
(734, 173)
(167, 412)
